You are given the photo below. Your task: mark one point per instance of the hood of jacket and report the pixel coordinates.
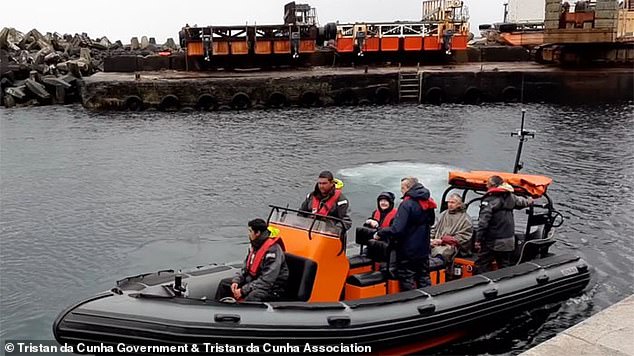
(417, 192)
(389, 196)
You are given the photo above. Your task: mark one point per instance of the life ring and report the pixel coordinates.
(510, 94)
(382, 96)
(434, 95)
(472, 96)
(277, 100)
(206, 102)
(133, 103)
(169, 102)
(240, 101)
(309, 99)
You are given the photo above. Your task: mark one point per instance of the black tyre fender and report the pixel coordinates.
(277, 100)
(133, 103)
(382, 95)
(169, 102)
(240, 101)
(434, 95)
(206, 102)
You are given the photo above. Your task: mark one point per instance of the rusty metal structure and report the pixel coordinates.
(588, 32)
(442, 29)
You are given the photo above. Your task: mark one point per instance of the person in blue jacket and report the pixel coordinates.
(410, 233)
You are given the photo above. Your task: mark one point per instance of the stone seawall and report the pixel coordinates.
(467, 83)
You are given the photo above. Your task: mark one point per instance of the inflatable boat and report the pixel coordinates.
(335, 302)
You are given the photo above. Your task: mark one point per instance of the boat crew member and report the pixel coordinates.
(265, 273)
(327, 199)
(409, 234)
(451, 236)
(495, 234)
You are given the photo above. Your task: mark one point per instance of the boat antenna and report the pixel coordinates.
(523, 135)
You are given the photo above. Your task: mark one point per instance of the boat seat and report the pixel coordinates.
(436, 264)
(359, 261)
(366, 279)
(301, 277)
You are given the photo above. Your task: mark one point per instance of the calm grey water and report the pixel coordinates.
(89, 198)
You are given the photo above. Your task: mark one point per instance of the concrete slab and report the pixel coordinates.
(609, 333)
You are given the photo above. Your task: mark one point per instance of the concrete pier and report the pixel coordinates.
(608, 333)
(469, 83)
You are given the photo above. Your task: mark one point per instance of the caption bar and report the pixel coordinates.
(25, 347)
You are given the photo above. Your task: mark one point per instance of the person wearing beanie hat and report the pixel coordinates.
(385, 212)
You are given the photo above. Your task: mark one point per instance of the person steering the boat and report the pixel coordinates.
(327, 199)
(451, 236)
(265, 273)
(495, 234)
(409, 234)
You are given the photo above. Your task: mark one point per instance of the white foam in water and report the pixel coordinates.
(363, 184)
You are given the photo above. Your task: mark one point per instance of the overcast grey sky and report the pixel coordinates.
(119, 19)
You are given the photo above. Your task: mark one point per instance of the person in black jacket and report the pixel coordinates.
(495, 234)
(327, 199)
(265, 273)
(409, 234)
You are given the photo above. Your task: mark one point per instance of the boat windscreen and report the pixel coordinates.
(298, 220)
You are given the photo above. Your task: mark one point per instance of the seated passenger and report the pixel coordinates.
(265, 273)
(379, 249)
(385, 212)
(451, 235)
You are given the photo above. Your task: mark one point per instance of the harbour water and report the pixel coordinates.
(89, 198)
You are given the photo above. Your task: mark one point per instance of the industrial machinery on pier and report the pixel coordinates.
(300, 41)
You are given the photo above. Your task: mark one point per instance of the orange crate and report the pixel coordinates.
(221, 47)
(431, 43)
(413, 43)
(195, 49)
(459, 42)
(306, 46)
(389, 44)
(240, 47)
(345, 44)
(371, 44)
(263, 47)
(283, 46)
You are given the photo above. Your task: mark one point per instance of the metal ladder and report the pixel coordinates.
(408, 86)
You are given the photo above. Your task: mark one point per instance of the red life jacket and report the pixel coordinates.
(325, 208)
(254, 260)
(425, 204)
(388, 218)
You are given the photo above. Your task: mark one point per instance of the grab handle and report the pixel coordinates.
(234, 318)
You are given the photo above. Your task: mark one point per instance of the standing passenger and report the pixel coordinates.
(410, 234)
(495, 235)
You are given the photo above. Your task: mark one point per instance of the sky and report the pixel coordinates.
(121, 20)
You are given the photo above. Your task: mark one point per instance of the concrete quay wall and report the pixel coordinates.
(608, 333)
(466, 83)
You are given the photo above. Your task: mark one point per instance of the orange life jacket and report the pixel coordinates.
(328, 206)
(388, 218)
(254, 260)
